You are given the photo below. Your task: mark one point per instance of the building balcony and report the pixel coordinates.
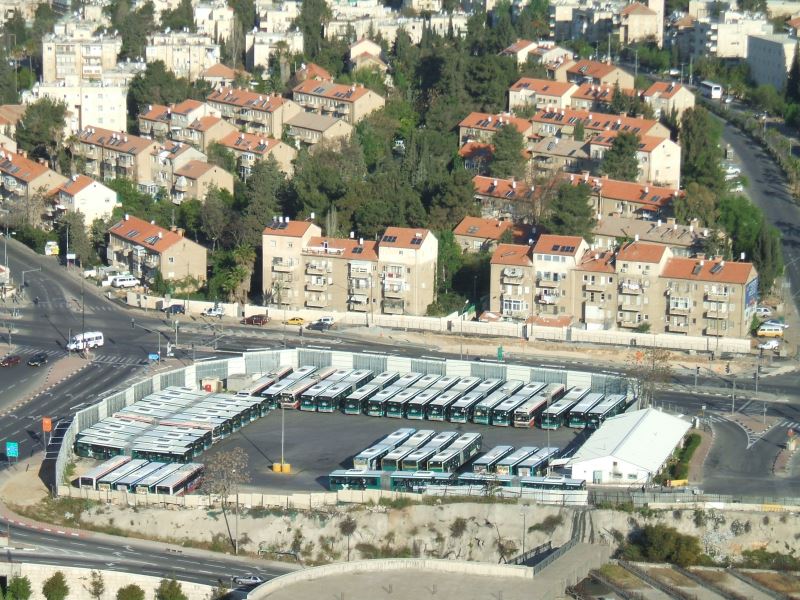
(181, 185)
(714, 332)
(316, 269)
(393, 292)
(594, 287)
(358, 307)
(679, 310)
(713, 313)
(631, 287)
(678, 327)
(626, 324)
(507, 280)
(358, 302)
(317, 302)
(546, 299)
(393, 307)
(317, 286)
(630, 308)
(712, 297)
(283, 266)
(547, 283)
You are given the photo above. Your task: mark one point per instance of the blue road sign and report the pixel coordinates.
(153, 356)
(12, 449)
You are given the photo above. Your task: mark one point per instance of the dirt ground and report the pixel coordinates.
(20, 484)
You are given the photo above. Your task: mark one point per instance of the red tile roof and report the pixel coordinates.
(485, 229)
(794, 23)
(204, 123)
(328, 89)
(240, 141)
(403, 237)
(343, 247)
(500, 188)
(599, 93)
(594, 121)
(186, 106)
(194, 169)
(717, 271)
(517, 46)
(113, 140)
(648, 195)
(75, 184)
(647, 143)
(144, 233)
(544, 87)
(512, 254)
(597, 261)
(664, 89)
(636, 8)
(155, 112)
(591, 68)
(476, 149)
(314, 71)
(19, 167)
(246, 99)
(562, 245)
(487, 122)
(219, 70)
(290, 229)
(641, 252)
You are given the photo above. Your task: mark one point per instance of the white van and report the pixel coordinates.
(125, 281)
(82, 341)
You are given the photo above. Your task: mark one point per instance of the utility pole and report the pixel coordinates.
(696, 373)
(733, 396)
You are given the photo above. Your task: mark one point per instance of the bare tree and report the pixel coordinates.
(224, 475)
(347, 528)
(96, 585)
(649, 368)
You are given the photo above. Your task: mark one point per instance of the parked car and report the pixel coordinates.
(255, 320)
(763, 311)
(11, 360)
(214, 311)
(175, 309)
(319, 325)
(776, 323)
(249, 579)
(296, 321)
(770, 345)
(328, 320)
(37, 360)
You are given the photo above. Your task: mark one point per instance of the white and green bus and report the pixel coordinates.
(444, 383)
(385, 379)
(468, 444)
(355, 403)
(611, 406)
(487, 462)
(308, 399)
(397, 405)
(359, 378)
(556, 415)
(407, 380)
(418, 404)
(357, 479)
(527, 413)
(503, 413)
(398, 437)
(376, 405)
(508, 465)
(438, 408)
(580, 412)
(464, 407)
(426, 381)
(417, 481)
(487, 386)
(446, 461)
(466, 385)
(370, 459)
(536, 462)
(394, 460)
(418, 460)
(331, 399)
(482, 412)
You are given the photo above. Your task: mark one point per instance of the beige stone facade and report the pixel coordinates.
(262, 114)
(165, 160)
(25, 185)
(666, 97)
(311, 128)
(185, 54)
(109, 154)
(81, 55)
(350, 103)
(302, 269)
(196, 178)
(250, 149)
(540, 94)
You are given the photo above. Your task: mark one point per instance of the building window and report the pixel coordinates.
(171, 259)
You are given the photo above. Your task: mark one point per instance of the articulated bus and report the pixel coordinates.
(376, 405)
(308, 399)
(465, 385)
(398, 438)
(526, 414)
(610, 407)
(370, 459)
(482, 412)
(536, 462)
(397, 405)
(486, 463)
(182, 481)
(444, 383)
(90, 479)
(426, 381)
(553, 483)
(331, 399)
(417, 405)
(556, 415)
(408, 380)
(462, 410)
(356, 402)
(508, 465)
(487, 386)
(417, 481)
(356, 479)
(579, 413)
(438, 408)
(385, 379)
(468, 445)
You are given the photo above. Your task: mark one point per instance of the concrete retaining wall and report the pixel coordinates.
(391, 564)
(78, 581)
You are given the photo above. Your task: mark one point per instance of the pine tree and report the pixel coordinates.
(619, 162)
(793, 78)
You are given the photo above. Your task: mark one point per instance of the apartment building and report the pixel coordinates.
(250, 149)
(173, 121)
(726, 36)
(477, 234)
(366, 54)
(590, 71)
(553, 154)
(351, 103)
(595, 290)
(195, 178)
(395, 275)
(506, 199)
(89, 102)
(24, 182)
(540, 94)
(513, 281)
(311, 128)
(205, 131)
(682, 240)
(770, 58)
(260, 46)
(554, 258)
(261, 114)
(185, 54)
(219, 75)
(80, 55)
(165, 160)
(423, 5)
(591, 97)
(659, 158)
(641, 299)
(144, 248)
(82, 194)
(214, 19)
(277, 17)
(477, 156)
(562, 122)
(640, 23)
(109, 154)
(710, 297)
(481, 127)
(667, 97)
(626, 199)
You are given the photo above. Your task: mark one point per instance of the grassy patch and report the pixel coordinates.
(783, 583)
(548, 525)
(371, 551)
(775, 561)
(619, 576)
(671, 577)
(712, 576)
(397, 503)
(69, 473)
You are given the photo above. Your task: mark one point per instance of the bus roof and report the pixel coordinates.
(587, 402)
(510, 403)
(466, 384)
(108, 466)
(469, 399)
(318, 388)
(156, 476)
(140, 473)
(364, 392)
(445, 398)
(400, 452)
(387, 393)
(577, 393)
(336, 388)
(426, 381)
(560, 406)
(442, 438)
(444, 383)
(532, 404)
(185, 471)
(374, 451)
(122, 471)
(422, 475)
(518, 455)
(529, 389)
(494, 454)
(487, 386)
(385, 378)
(425, 396)
(538, 457)
(339, 375)
(445, 454)
(420, 437)
(408, 379)
(404, 395)
(355, 473)
(398, 437)
(358, 375)
(493, 400)
(607, 404)
(301, 373)
(511, 386)
(465, 439)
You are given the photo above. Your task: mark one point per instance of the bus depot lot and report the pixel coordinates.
(317, 443)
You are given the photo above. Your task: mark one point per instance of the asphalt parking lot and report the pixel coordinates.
(317, 443)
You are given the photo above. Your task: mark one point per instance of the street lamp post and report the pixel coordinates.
(524, 528)
(28, 271)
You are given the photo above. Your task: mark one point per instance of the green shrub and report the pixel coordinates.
(548, 525)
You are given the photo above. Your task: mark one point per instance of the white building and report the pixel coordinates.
(89, 102)
(629, 449)
(214, 19)
(277, 18)
(185, 54)
(85, 195)
(726, 37)
(261, 45)
(770, 57)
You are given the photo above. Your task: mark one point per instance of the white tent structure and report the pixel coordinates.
(628, 449)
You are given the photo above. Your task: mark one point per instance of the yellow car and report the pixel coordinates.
(295, 321)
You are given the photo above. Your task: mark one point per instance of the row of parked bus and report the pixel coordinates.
(126, 474)
(510, 403)
(417, 481)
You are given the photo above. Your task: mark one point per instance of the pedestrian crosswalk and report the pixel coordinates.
(789, 424)
(96, 357)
